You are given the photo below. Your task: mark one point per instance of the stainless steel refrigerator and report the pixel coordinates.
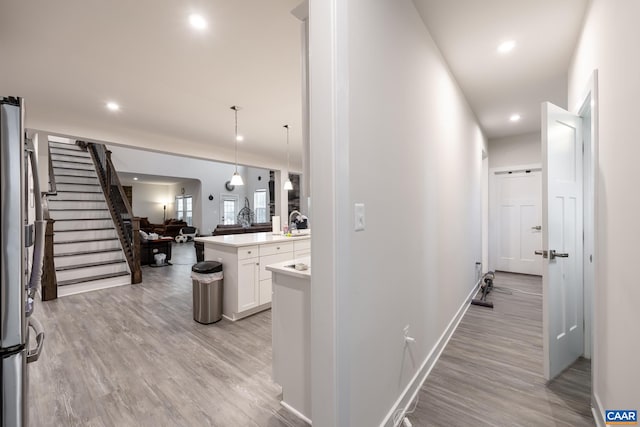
(20, 268)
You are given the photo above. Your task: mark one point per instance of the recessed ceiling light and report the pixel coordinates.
(113, 106)
(506, 46)
(239, 138)
(197, 21)
(135, 178)
(515, 117)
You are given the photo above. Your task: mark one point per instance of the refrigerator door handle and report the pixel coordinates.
(34, 354)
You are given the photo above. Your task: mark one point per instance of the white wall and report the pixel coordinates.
(212, 176)
(523, 149)
(149, 199)
(399, 129)
(609, 43)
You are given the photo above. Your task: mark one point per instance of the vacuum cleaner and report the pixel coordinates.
(485, 288)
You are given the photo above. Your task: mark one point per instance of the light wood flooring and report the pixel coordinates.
(133, 356)
(491, 372)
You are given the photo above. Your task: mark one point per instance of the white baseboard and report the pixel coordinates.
(411, 391)
(596, 410)
(295, 412)
(79, 288)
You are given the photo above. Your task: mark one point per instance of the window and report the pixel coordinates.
(260, 205)
(228, 211)
(184, 209)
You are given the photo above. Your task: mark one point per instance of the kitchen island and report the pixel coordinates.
(247, 284)
(291, 334)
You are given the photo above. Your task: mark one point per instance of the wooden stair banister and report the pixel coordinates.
(127, 226)
(49, 282)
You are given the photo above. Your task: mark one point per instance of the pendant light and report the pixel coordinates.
(236, 179)
(287, 184)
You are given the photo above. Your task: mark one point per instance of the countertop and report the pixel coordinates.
(249, 239)
(281, 269)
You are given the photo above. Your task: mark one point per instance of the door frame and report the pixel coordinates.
(493, 214)
(588, 105)
(588, 102)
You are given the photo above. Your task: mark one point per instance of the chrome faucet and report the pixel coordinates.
(291, 226)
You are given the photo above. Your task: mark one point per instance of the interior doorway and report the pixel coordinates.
(516, 219)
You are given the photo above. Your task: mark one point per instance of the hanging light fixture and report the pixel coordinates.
(287, 184)
(236, 179)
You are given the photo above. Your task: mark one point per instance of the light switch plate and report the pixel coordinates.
(359, 216)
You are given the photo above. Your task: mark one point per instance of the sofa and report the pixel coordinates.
(170, 227)
(222, 229)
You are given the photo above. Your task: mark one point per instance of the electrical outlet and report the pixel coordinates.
(408, 339)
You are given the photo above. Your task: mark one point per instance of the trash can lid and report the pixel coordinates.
(206, 267)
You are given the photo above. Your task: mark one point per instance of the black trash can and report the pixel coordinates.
(207, 279)
(199, 251)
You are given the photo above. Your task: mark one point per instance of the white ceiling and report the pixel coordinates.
(468, 33)
(69, 57)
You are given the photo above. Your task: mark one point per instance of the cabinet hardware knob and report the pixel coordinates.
(248, 252)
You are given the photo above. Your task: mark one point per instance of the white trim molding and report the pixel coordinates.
(396, 414)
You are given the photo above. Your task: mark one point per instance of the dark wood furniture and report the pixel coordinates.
(149, 248)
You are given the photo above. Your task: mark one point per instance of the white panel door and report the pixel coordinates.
(518, 231)
(562, 239)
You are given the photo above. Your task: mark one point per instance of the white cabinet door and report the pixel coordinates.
(248, 290)
(265, 291)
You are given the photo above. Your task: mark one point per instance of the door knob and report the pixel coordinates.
(537, 227)
(543, 253)
(553, 254)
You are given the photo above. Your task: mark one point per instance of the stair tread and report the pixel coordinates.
(71, 191)
(63, 145)
(77, 183)
(92, 278)
(80, 155)
(78, 191)
(77, 209)
(102, 239)
(83, 219)
(85, 229)
(90, 264)
(73, 169)
(97, 251)
(76, 200)
(88, 162)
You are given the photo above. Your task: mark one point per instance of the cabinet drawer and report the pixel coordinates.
(246, 252)
(276, 248)
(272, 259)
(302, 253)
(302, 245)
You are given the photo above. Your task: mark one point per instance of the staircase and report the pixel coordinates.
(87, 252)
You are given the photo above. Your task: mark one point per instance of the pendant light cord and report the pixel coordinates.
(287, 127)
(235, 109)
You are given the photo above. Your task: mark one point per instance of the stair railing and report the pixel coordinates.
(49, 283)
(127, 225)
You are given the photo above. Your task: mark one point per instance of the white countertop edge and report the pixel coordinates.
(281, 269)
(249, 239)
